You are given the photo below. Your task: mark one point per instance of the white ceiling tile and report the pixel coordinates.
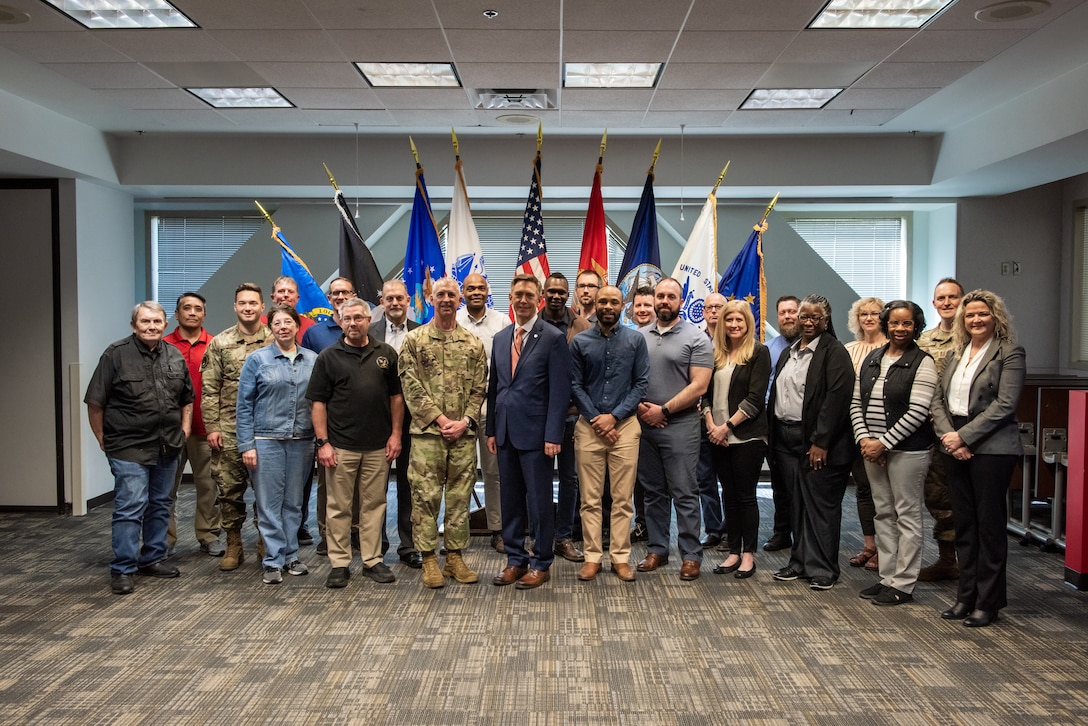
(711, 76)
(880, 98)
(249, 14)
(332, 98)
(229, 74)
(512, 16)
(961, 16)
(167, 45)
(278, 45)
(833, 46)
(422, 98)
(958, 45)
(315, 75)
(812, 75)
(624, 15)
(606, 99)
(198, 120)
(776, 119)
(509, 75)
(754, 14)
(380, 45)
(414, 117)
(915, 75)
(512, 46)
(607, 46)
(80, 47)
(153, 98)
(266, 119)
(111, 75)
(348, 119)
(702, 99)
(691, 119)
(861, 117)
(363, 14)
(747, 47)
(602, 119)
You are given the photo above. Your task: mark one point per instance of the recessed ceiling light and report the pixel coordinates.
(104, 14)
(1013, 10)
(517, 119)
(491, 14)
(241, 97)
(12, 16)
(611, 75)
(878, 13)
(776, 99)
(410, 75)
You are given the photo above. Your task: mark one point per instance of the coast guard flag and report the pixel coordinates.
(594, 240)
(423, 263)
(311, 301)
(533, 253)
(697, 269)
(744, 280)
(464, 256)
(641, 266)
(356, 262)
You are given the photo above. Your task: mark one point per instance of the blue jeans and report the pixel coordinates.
(141, 507)
(567, 507)
(284, 467)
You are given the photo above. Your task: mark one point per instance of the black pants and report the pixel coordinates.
(978, 487)
(737, 467)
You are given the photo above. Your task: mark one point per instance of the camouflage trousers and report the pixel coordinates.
(937, 498)
(438, 467)
(231, 477)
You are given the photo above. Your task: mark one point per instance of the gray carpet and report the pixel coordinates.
(223, 648)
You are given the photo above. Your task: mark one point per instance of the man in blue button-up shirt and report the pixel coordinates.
(610, 370)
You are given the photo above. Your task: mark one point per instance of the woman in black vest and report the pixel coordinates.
(890, 415)
(736, 424)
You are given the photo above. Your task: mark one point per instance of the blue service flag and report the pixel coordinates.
(312, 303)
(423, 262)
(641, 264)
(744, 280)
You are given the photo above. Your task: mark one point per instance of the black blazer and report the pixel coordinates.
(995, 391)
(747, 391)
(825, 410)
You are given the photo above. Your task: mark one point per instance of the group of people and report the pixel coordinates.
(644, 422)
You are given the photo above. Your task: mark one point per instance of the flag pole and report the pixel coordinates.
(415, 153)
(331, 180)
(767, 211)
(657, 153)
(456, 147)
(604, 142)
(539, 135)
(267, 216)
(721, 177)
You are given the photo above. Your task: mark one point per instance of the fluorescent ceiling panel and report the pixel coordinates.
(777, 99)
(105, 14)
(611, 75)
(878, 13)
(410, 75)
(241, 97)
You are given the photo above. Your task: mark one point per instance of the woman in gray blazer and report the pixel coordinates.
(974, 414)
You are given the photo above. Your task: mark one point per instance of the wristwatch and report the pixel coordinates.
(321, 442)
(730, 425)
(665, 412)
(471, 424)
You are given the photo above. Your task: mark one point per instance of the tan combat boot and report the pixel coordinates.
(457, 569)
(945, 568)
(432, 576)
(233, 556)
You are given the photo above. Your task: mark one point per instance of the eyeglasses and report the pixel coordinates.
(339, 293)
(713, 307)
(588, 286)
(810, 318)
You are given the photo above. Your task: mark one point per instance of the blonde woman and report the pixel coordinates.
(864, 323)
(736, 424)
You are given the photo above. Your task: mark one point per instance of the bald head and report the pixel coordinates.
(475, 291)
(712, 308)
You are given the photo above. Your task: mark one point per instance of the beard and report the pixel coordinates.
(667, 315)
(790, 331)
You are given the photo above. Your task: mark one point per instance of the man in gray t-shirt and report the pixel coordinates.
(681, 361)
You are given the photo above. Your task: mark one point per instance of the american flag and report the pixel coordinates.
(533, 254)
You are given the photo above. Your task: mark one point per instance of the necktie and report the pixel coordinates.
(516, 355)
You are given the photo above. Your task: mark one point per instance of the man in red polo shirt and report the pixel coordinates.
(285, 292)
(192, 340)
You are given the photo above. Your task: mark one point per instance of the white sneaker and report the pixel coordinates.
(297, 568)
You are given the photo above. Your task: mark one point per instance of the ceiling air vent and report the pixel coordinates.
(505, 99)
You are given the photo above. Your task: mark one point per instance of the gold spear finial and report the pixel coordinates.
(720, 177)
(456, 147)
(264, 212)
(604, 142)
(539, 135)
(415, 153)
(767, 211)
(331, 180)
(657, 153)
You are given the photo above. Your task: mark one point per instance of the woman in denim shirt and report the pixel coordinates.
(276, 439)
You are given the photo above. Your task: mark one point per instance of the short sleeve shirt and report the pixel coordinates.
(672, 355)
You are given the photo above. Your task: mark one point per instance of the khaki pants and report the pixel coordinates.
(620, 461)
(363, 475)
(206, 517)
(489, 467)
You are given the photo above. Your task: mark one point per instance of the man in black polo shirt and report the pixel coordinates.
(358, 414)
(140, 407)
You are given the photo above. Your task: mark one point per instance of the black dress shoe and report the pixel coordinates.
(304, 537)
(778, 542)
(724, 569)
(711, 541)
(980, 618)
(742, 574)
(959, 611)
(412, 559)
(121, 584)
(159, 569)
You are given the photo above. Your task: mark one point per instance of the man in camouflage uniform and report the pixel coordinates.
(443, 372)
(221, 371)
(938, 343)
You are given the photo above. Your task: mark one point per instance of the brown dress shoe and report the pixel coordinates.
(689, 570)
(624, 571)
(533, 578)
(652, 562)
(566, 549)
(589, 570)
(509, 575)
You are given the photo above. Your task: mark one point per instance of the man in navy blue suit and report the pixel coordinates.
(527, 399)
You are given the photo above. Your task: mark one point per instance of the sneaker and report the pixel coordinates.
(304, 537)
(214, 548)
(786, 574)
(380, 573)
(497, 543)
(272, 575)
(891, 596)
(639, 533)
(338, 577)
(821, 583)
(872, 591)
(297, 568)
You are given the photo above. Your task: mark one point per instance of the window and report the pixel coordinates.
(187, 251)
(1080, 309)
(500, 237)
(868, 253)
